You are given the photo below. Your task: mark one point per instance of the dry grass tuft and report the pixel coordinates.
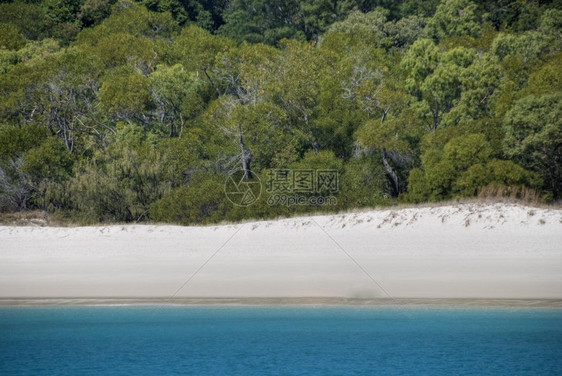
(30, 218)
(515, 194)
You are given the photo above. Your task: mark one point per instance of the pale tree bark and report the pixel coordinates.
(390, 173)
(245, 156)
(387, 167)
(316, 147)
(234, 87)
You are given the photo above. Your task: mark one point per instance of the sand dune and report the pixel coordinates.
(457, 251)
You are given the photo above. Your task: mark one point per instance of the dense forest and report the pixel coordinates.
(120, 110)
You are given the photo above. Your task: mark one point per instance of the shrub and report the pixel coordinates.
(495, 173)
(201, 201)
(51, 160)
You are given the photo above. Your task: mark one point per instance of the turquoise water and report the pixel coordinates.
(279, 341)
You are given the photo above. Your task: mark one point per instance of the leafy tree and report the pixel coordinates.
(421, 60)
(136, 20)
(435, 79)
(56, 92)
(62, 18)
(113, 109)
(92, 12)
(10, 37)
(495, 172)
(125, 95)
(479, 83)
(45, 168)
(14, 141)
(271, 21)
(15, 189)
(201, 201)
(359, 25)
(176, 96)
(318, 15)
(363, 183)
(546, 79)
(199, 51)
(62, 11)
(373, 28)
(175, 7)
(442, 167)
(455, 17)
(121, 182)
(550, 21)
(513, 15)
(414, 7)
(32, 53)
(27, 17)
(205, 14)
(337, 113)
(533, 132)
(528, 46)
(185, 155)
(261, 21)
(50, 160)
(15, 193)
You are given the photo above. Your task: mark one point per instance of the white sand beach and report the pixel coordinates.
(489, 251)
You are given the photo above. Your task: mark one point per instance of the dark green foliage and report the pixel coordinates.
(50, 160)
(454, 18)
(534, 136)
(120, 110)
(496, 172)
(516, 15)
(29, 18)
(16, 189)
(10, 37)
(92, 12)
(201, 201)
(121, 182)
(261, 20)
(270, 21)
(461, 168)
(363, 184)
(206, 14)
(14, 141)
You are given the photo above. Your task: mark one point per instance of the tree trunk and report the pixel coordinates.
(387, 167)
(384, 113)
(316, 147)
(245, 156)
(390, 173)
(212, 82)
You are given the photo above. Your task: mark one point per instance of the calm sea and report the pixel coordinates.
(279, 341)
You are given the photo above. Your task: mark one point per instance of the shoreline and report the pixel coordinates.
(281, 302)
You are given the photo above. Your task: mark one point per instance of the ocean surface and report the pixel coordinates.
(279, 341)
